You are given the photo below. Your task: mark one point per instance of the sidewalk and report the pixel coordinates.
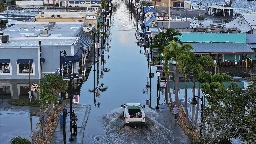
(82, 112)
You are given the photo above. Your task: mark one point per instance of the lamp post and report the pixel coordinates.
(158, 90)
(64, 125)
(195, 102)
(64, 54)
(70, 103)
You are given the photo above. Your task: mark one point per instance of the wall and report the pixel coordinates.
(165, 3)
(59, 19)
(20, 53)
(29, 3)
(51, 54)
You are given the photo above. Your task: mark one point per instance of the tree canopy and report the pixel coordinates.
(50, 86)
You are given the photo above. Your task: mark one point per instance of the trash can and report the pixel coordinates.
(62, 120)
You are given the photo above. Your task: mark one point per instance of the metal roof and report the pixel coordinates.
(32, 30)
(174, 24)
(251, 38)
(212, 38)
(221, 48)
(34, 42)
(251, 19)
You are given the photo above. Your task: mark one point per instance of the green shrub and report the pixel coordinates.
(24, 102)
(20, 140)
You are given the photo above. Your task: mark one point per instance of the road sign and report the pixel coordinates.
(57, 70)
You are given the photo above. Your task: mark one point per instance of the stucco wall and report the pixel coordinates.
(20, 53)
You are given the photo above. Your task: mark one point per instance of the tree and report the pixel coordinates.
(50, 86)
(225, 109)
(162, 42)
(20, 140)
(198, 65)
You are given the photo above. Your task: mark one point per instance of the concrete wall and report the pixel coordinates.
(20, 53)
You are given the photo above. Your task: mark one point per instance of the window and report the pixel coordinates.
(25, 66)
(5, 90)
(24, 91)
(5, 68)
(67, 68)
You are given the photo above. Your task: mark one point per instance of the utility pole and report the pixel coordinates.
(94, 88)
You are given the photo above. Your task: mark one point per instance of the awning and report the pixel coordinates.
(24, 61)
(42, 60)
(78, 55)
(67, 59)
(4, 60)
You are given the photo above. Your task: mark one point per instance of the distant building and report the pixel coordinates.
(226, 49)
(251, 41)
(89, 18)
(246, 23)
(173, 3)
(31, 3)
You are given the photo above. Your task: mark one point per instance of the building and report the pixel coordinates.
(29, 50)
(31, 3)
(221, 11)
(251, 41)
(92, 5)
(246, 23)
(226, 49)
(89, 18)
(173, 3)
(38, 46)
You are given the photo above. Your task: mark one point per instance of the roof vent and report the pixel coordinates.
(5, 38)
(44, 33)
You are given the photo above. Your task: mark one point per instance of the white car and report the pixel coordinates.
(133, 113)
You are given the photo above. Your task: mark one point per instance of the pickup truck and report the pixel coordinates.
(133, 113)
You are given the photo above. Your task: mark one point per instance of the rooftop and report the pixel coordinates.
(251, 38)
(213, 38)
(33, 42)
(231, 48)
(32, 29)
(251, 19)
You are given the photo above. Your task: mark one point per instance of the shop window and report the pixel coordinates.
(24, 68)
(5, 68)
(24, 91)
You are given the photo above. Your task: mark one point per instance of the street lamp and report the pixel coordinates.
(195, 102)
(158, 90)
(64, 54)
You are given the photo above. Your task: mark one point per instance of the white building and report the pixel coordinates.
(31, 3)
(246, 23)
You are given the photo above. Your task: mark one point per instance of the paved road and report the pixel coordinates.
(125, 81)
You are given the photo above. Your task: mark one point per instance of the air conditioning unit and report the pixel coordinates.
(44, 33)
(5, 38)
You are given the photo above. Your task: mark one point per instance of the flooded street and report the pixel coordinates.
(125, 81)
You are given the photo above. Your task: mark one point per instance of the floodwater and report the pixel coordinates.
(125, 81)
(15, 121)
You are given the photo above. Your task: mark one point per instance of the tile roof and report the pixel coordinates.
(221, 48)
(213, 37)
(251, 38)
(253, 46)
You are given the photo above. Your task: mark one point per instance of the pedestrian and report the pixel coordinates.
(175, 111)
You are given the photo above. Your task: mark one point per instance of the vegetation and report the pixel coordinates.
(230, 112)
(20, 140)
(1, 7)
(50, 86)
(24, 102)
